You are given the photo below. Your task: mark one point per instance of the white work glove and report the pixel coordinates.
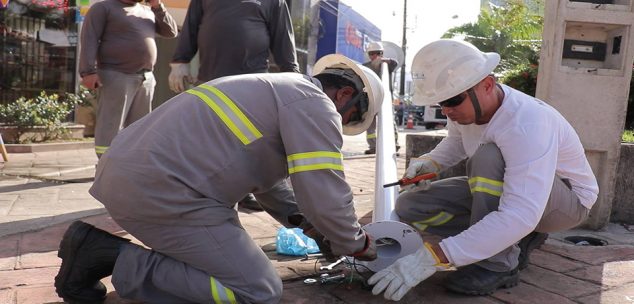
(407, 272)
(419, 166)
(178, 76)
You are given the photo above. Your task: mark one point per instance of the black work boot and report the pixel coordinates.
(370, 151)
(475, 280)
(532, 241)
(88, 255)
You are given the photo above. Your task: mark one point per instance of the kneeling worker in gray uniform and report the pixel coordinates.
(172, 179)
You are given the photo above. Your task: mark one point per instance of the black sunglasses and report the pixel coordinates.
(453, 101)
(375, 53)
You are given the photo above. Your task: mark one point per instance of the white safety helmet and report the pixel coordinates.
(370, 89)
(445, 68)
(374, 46)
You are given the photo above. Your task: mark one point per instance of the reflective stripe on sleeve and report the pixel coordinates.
(101, 149)
(318, 160)
(486, 185)
(228, 112)
(370, 135)
(220, 293)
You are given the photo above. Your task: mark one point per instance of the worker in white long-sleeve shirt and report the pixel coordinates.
(527, 175)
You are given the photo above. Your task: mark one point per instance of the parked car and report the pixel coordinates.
(427, 116)
(433, 116)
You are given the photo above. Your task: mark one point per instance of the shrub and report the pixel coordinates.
(522, 78)
(44, 111)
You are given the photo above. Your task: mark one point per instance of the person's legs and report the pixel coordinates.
(141, 103)
(398, 147)
(486, 172)
(442, 210)
(198, 264)
(115, 100)
(370, 137)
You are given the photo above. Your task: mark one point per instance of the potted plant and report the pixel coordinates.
(39, 119)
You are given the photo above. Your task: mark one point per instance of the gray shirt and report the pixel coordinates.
(189, 161)
(119, 36)
(234, 37)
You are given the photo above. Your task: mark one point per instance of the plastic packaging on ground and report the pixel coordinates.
(292, 241)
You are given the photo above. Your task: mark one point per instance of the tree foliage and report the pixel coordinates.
(512, 31)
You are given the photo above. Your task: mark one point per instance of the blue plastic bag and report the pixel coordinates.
(294, 242)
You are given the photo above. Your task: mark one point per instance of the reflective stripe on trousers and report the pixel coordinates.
(220, 293)
(486, 185)
(437, 220)
(228, 112)
(99, 150)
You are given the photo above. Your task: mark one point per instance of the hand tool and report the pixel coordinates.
(406, 181)
(331, 266)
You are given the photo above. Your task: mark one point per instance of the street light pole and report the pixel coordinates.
(404, 47)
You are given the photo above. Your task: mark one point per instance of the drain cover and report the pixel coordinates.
(586, 241)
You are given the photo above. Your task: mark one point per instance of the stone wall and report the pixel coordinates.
(623, 204)
(622, 207)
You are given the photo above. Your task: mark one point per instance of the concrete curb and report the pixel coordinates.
(48, 147)
(15, 227)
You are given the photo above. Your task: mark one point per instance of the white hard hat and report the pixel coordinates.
(445, 68)
(372, 88)
(375, 46)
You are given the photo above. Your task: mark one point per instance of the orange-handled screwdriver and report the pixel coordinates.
(406, 181)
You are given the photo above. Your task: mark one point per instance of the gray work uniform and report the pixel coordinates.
(172, 178)
(234, 37)
(371, 131)
(117, 43)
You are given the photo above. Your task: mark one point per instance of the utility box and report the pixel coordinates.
(584, 72)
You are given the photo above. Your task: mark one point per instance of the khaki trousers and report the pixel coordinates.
(452, 200)
(123, 99)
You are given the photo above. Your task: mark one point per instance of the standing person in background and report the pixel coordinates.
(375, 52)
(117, 56)
(231, 38)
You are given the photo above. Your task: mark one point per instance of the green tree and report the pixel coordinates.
(512, 31)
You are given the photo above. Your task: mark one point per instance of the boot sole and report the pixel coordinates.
(68, 247)
(506, 283)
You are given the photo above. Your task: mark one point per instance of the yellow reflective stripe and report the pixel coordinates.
(220, 293)
(214, 291)
(486, 185)
(231, 297)
(228, 112)
(315, 154)
(235, 110)
(419, 226)
(317, 160)
(370, 136)
(439, 219)
(101, 149)
(315, 167)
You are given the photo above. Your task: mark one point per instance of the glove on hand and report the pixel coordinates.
(419, 166)
(368, 253)
(320, 239)
(178, 76)
(406, 272)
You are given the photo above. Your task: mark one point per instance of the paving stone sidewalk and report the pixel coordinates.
(560, 272)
